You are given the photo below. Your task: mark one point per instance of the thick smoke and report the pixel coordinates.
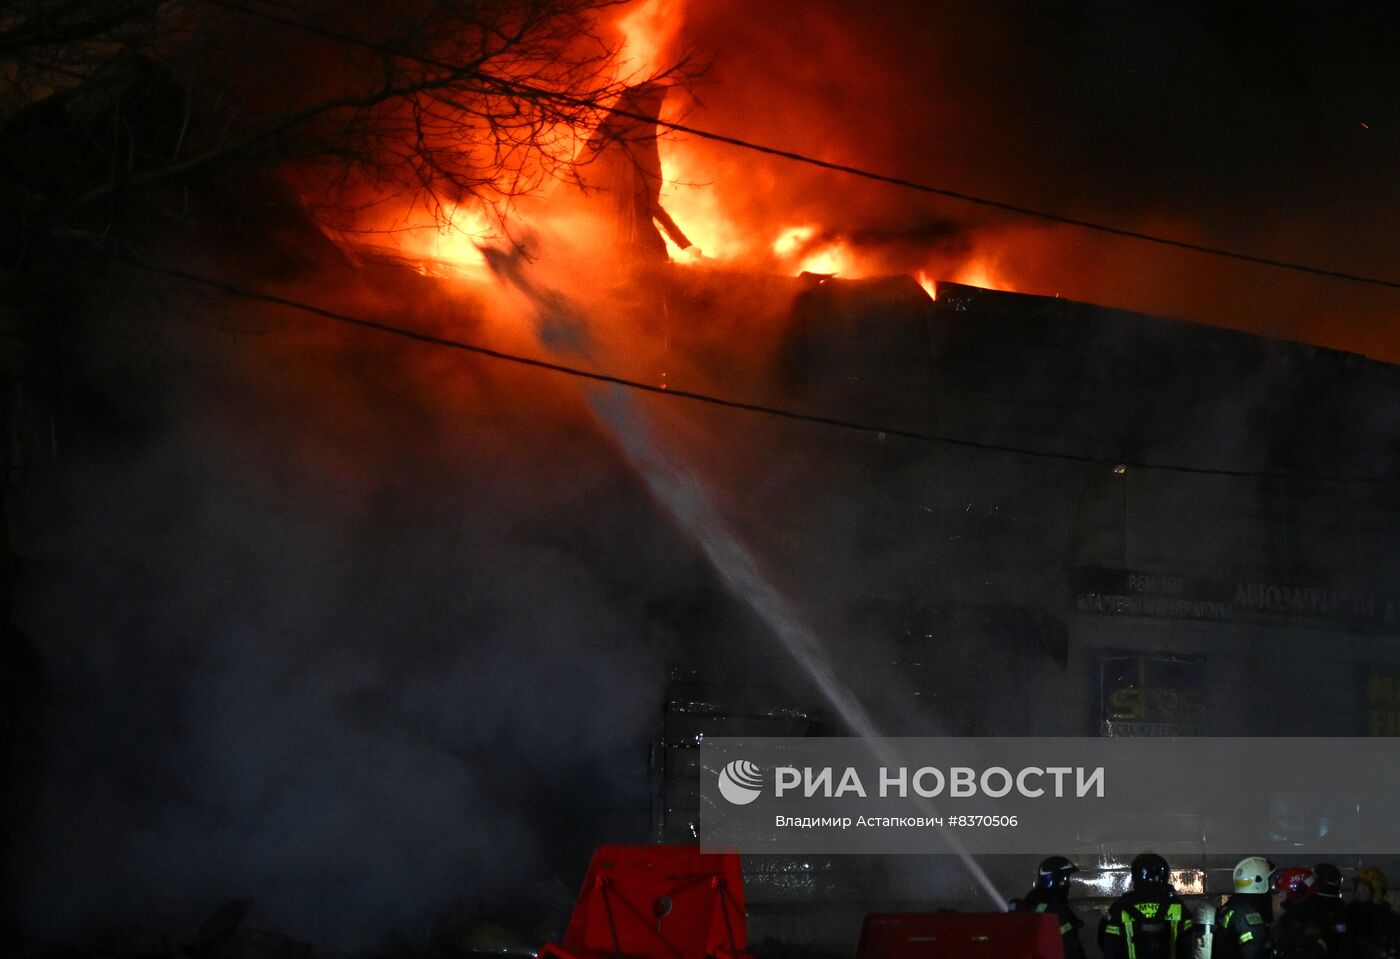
(378, 633)
(347, 626)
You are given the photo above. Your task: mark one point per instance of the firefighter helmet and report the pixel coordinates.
(1252, 874)
(1329, 880)
(1296, 883)
(1373, 877)
(1054, 872)
(1150, 868)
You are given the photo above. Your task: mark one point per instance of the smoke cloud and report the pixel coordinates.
(348, 627)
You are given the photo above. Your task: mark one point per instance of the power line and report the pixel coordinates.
(1030, 212)
(597, 376)
(506, 85)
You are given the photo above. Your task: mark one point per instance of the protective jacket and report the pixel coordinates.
(1374, 930)
(1242, 928)
(1299, 932)
(1056, 904)
(1150, 922)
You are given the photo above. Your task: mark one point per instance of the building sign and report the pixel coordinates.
(1152, 694)
(1380, 701)
(1117, 592)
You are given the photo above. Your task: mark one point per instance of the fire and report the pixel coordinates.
(445, 245)
(983, 271)
(454, 242)
(793, 239)
(696, 205)
(833, 258)
(648, 32)
(978, 274)
(447, 241)
(796, 243)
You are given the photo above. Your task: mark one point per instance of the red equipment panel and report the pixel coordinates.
(960, 935)
(657, 902)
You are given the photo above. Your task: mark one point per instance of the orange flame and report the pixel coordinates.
(455, 240)
(832, 258)
(793, 239)
(447, 242)
(648, 31)
(983, 271)
(696, 206)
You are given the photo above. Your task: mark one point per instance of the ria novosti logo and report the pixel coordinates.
(740, 782)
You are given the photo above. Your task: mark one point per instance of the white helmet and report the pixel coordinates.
(1252, 874)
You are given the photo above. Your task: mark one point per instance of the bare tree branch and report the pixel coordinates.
(441, 100)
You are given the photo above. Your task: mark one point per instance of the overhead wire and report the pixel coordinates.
(881, 431)
(506, 85)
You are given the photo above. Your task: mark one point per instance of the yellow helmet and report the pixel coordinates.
(1373, 877)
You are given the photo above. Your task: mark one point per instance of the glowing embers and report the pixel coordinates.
(1110, 878)
(1189, 882)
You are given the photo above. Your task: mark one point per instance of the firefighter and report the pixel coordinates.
(1373, 927)
(1149, 921)
(1242, 931)
(1332, 911)
(1298, 929)
(1051, 894)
